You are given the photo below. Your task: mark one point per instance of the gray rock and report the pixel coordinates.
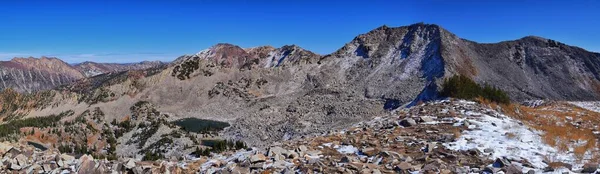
(511, 169)
(426, 119)
(311, 159)
(14, 166)
(589, 168)
(130, 164)
(345, 159)
(488, 150)
(33, 167)
(404, 166)
(21, 159)
(273, 151)
(501, 162)
(258, 158)
(301, 149)
(491, 169)
(370, 151)
(408, 122)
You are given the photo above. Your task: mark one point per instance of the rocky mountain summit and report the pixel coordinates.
(35, 74)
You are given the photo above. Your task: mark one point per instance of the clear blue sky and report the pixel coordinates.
(131, 31)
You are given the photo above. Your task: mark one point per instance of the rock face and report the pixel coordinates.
(533, 68)
(33, 74)
(90, 69)
(527, 68)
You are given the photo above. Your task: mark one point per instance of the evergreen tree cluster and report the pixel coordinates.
(464, 88)
(13, 127)
(218, 146)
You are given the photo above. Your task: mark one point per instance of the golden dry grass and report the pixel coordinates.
(557, 120)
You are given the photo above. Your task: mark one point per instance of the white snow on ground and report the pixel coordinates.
(509, 138)
(347, 149)
(589, 105)
(343, 149)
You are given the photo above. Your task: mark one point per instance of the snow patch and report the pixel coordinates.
(589, 105)
(508, 138)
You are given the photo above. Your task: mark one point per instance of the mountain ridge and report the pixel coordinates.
(34, 74)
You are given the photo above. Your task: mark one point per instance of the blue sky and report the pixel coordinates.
(116, 31)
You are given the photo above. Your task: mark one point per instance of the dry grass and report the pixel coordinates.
(511, 135)
(557, 121)
(456, 132)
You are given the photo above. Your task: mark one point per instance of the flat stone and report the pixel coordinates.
(311, 159)
(68, 159)
(130, 164)
(46, 168)
(258, 158)
(4, 148)
(14, 166)
(404, 166)
(21, 160)
(258, 165)
(87, 164)
(426, 119)
(370, 151)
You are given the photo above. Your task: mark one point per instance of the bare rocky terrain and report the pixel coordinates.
(34, 74)
(290, 96)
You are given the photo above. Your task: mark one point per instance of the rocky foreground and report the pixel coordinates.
(439, 137)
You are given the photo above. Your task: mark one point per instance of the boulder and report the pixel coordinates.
(4, 148)
(426, 119)
(33, 167)
(311, 159)
(47, 168)
(403, 166)
(87, 164)
(501, 162)
(370, 151)
(21, 160)
(589, 168)
(14, 166)
(68, 159)
(130, 164)
(408, 122)
(274, 151)
(511, 169)
(258, 158)
(301, 149)
(345, 159)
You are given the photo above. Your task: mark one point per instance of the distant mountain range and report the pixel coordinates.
(34, 74)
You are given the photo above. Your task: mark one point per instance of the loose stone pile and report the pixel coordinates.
(414, 140)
